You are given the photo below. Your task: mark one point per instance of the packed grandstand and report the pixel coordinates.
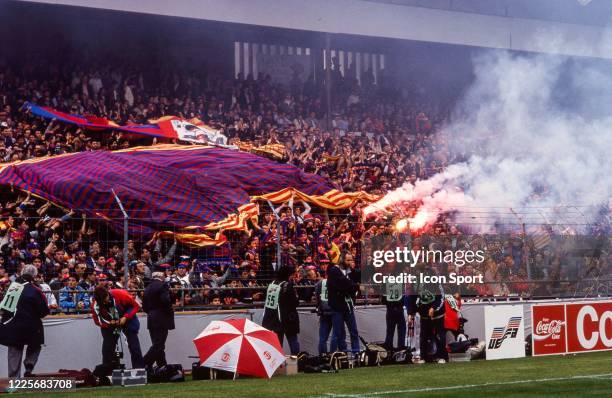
(225, 192)
(376, 142)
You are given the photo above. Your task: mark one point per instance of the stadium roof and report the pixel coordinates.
(550, 26)
(582, 12)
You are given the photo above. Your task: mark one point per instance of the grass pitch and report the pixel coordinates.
(560, 376)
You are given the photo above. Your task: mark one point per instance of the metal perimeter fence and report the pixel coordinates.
(69, 247)
(241, 295)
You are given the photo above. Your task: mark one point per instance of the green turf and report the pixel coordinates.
(393, 381)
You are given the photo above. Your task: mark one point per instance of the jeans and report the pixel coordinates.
(338, 343)
(15, 354)
(325, 328)
(109, 342)
(294, 344)
(395, 319)
(157, 352)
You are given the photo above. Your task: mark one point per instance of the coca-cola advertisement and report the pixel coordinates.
(571, 327)
(549, 329)
(589, 326)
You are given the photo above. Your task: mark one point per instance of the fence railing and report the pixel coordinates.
(244, 297)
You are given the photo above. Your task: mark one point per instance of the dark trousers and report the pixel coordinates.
(15, 354)
(338, 343)
(395, 320)
(292, 340)
(325, 328)
(157, 352)
(432, 330)
(109, 342)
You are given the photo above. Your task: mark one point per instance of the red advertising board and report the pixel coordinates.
(589, 326)
(571, 327)
(549, 329)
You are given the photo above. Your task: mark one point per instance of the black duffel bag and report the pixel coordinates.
(167, 373)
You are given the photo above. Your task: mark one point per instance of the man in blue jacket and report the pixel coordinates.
(73, 297)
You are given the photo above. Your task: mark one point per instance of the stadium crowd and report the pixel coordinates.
(376, 141)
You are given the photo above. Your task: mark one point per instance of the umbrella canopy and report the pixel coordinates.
(240, 346)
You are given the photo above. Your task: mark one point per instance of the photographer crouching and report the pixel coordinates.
(114, 311)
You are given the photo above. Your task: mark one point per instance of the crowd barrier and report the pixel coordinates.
(186, 299)
(74, 342)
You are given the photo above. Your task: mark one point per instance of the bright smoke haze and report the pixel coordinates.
(536, 131)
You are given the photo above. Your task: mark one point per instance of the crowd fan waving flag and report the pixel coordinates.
(192, 191)
(171, 128)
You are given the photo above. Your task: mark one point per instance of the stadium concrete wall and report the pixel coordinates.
(75, 342)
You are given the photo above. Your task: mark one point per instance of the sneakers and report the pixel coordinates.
(419, 361)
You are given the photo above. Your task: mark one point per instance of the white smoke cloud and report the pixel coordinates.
(539, 131)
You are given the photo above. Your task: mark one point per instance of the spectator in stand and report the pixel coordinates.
(72, 297)
(141, 271)
(88, 281)
(46, 289)
(380, 140)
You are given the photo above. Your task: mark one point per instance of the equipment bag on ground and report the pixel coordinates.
(167, 373)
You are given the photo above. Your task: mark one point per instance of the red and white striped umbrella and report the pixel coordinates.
(240, 346)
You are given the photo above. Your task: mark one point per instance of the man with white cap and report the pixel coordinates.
(23, 307)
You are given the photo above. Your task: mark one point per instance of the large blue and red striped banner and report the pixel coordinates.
(170, 127)
(169, 186)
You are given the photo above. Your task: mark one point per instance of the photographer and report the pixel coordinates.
(157, 303)
(114, 311)
(341, 290)
(429, 303)
(325, 314)
(280, 313)
(394, 299)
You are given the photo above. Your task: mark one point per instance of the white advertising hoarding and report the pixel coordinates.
(504, 331)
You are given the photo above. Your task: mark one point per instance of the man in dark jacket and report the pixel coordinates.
(157, 303)
(341, 290)
(325, 314)
(428, 301)
(395, 300)
(280, 314)
(23, 307)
